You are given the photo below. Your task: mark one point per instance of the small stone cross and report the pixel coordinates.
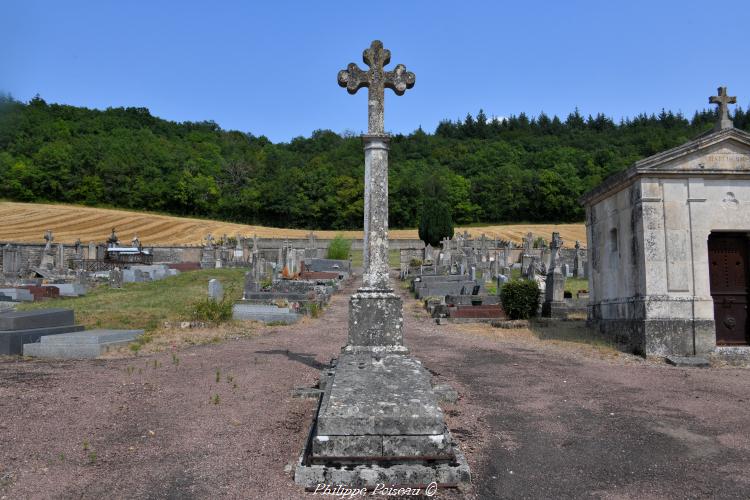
(723, 100)
(376, 79)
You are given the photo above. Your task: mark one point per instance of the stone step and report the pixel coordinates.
(88, 344)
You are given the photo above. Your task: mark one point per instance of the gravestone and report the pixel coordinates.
(356, 442)
(11, 260)
(578, 270)
(47, 261)
(115, 278)
(554, 291)
(215, 290)
(501, 280)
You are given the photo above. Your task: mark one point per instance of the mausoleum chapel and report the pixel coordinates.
(668, 243)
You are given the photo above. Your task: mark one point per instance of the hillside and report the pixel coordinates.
(520, 169)
(26, 222)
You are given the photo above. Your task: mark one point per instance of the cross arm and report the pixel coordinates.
(352, 78)
(399, 80)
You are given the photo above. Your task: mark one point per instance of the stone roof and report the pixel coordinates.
(668, 163)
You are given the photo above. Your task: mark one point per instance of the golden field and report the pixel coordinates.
(26, 222)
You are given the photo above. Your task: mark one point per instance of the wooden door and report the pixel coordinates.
(728, 261)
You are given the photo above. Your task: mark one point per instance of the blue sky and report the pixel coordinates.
(269, 68)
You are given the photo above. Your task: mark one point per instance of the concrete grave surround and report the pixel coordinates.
(648, 229)
(378, 420)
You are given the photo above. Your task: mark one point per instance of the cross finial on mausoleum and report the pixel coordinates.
(376, 79)
(723, 100)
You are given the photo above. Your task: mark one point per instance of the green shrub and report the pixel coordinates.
(520, 298)
(215, 311)
(339, 248)
(415, 262)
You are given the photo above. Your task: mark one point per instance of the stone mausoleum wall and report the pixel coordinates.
(648, 231)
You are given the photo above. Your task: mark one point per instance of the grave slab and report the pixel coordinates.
(264, 313)
(12, 341)
(40, 318)
(84, 344)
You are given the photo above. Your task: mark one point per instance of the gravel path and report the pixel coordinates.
(535, 419)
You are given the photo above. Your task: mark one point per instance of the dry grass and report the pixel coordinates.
(26, 222)
(572, 337)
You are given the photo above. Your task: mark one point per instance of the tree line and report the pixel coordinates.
(520, 169)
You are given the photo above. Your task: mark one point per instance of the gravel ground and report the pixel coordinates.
(536, 419)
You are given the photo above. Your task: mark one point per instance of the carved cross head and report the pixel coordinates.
(723, 100)
(376, 79)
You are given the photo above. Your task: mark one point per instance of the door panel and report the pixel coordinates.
(727, 254)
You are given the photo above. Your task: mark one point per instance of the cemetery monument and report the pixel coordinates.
(378, 420)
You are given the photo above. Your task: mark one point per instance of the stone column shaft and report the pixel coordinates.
(375, 255)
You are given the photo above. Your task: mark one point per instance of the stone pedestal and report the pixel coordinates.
(554, 295)
(375, 322)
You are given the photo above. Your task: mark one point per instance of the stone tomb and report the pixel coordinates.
(77, 345)
(668, 246)
(24, 327)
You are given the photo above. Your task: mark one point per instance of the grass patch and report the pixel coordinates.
(394, 258)
(572, 285)
(146, 306)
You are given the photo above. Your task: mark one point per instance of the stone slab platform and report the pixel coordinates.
(12, 341)
(401, 468)
(688, 361)
(88, 344)
(264, 313)
(370, 395)
(40, 318)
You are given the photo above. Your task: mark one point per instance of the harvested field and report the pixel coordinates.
(26, 222)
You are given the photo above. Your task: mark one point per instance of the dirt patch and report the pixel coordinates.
(536, 418)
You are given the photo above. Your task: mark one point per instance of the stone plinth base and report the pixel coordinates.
(379, 423)
(375, 322)
(661, 337)
(554, 310)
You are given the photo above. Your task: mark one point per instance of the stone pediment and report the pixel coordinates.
(724, 152)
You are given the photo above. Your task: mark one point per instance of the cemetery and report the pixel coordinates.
(149, 355)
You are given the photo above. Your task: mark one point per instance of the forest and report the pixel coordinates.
(520, 169)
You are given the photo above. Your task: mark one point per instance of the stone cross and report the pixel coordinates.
(723, 100)
(376, 79)
(49, 238)
(555, 245)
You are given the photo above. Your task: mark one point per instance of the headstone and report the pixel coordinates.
(578, 271)
(501, 280)
(215, 290)
(62, 266)
(92, 251)
(115, 278)
(11, 260)
(554, 291)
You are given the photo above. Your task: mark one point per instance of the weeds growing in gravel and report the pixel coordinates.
(175, 360)
(85, 445)
(218, 375)
(92, 457)
(215, 399)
